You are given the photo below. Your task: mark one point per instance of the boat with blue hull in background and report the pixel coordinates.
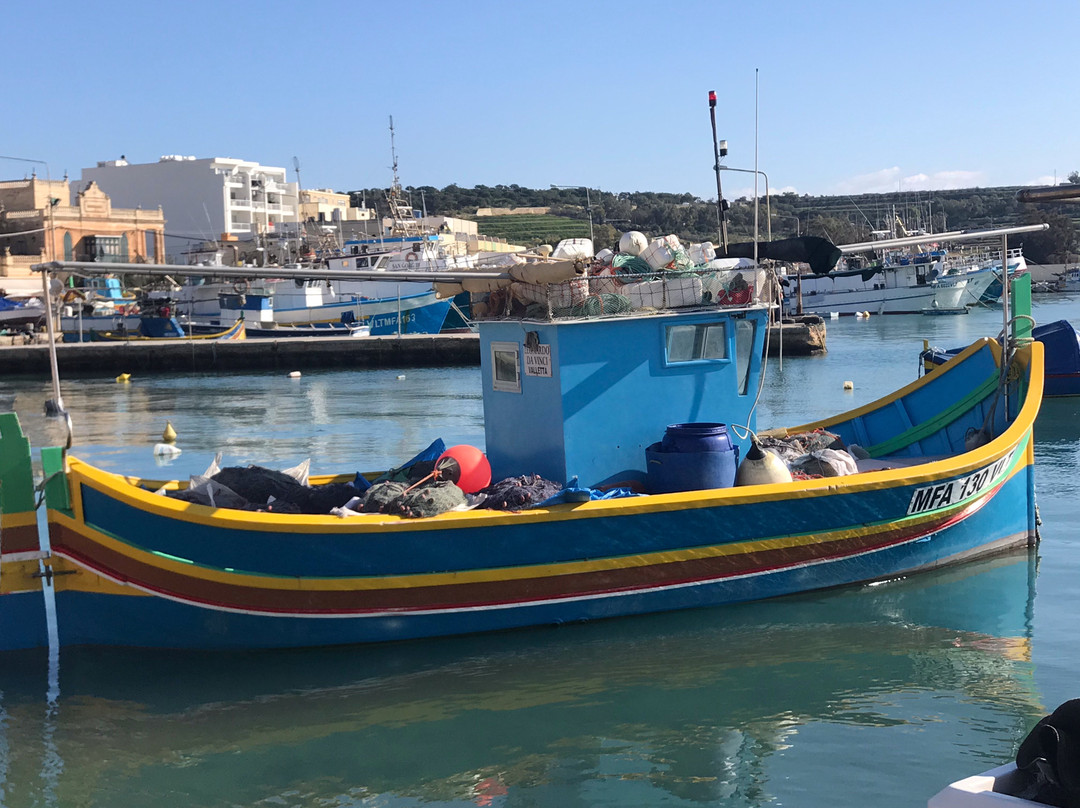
(313, 308)
(1061, 342)
(578, 392)
(157, 321)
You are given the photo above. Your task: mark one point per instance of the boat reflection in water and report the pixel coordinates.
(750, 704)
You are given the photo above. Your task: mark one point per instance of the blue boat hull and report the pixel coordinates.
(100, 619)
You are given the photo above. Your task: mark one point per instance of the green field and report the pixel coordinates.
(530, 229)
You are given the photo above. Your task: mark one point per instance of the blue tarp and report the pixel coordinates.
(572, 492)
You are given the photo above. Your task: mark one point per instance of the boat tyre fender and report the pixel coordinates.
(240, 287)
(411, 256)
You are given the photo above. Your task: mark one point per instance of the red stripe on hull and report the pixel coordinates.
(116, 566)
(20, 539)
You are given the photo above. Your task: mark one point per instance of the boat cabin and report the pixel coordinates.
(585, 397)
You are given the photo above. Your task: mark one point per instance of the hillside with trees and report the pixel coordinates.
(841, 219)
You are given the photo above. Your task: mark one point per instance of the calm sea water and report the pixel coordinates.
(876, 695)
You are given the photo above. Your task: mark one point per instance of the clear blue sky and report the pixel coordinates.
(851, 96)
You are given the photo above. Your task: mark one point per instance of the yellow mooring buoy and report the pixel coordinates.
(169, 435)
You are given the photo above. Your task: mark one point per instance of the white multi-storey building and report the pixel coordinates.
(203, 199)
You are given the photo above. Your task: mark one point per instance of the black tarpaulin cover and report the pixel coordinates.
(819, 253)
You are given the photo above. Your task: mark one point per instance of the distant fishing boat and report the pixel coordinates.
(1069, 280)
(929, 281)
(169, 330)
(152, 317)
(297, 308)
(16, 313)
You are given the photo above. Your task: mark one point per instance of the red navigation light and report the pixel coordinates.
(712, 98)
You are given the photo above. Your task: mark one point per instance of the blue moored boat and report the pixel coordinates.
(1061, 342)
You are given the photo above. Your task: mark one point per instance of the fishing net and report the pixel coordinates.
(596, 305)
(517, 493)
(631, 265)
(429, 499)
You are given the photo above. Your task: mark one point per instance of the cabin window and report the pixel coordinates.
(506, 367)
(744, 352)
(693, 343)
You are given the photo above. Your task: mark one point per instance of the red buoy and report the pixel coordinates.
(466, 466)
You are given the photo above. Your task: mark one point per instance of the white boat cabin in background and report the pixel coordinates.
(897, 280)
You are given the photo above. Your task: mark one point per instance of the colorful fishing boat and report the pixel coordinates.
(580, 394)
(159, 323)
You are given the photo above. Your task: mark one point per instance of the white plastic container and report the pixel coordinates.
(605, 256)
(664, 293)
(633, 242)
(573, 248)
(659, 253)
(702, 254)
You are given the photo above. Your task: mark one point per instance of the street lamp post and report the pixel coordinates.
(768, 207)
(588, 204)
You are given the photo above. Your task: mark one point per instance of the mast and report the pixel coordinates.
(717, 154)
(299, 194)
(400, 210)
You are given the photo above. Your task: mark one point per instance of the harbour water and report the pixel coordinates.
(877, 695)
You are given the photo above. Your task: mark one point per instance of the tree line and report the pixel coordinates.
(841, 219)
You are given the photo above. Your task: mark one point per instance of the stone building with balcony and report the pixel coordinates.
(41, 221)
(203, 199)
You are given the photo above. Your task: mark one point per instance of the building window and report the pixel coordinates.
(105, 248)
(69, 249)
(696, 343)
(506, 367)
(151, 246)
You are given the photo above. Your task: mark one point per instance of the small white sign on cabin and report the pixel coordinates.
(538, 361)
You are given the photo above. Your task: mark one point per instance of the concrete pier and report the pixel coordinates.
(214, 356)
(802, 336)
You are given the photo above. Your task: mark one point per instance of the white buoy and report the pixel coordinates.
(633, 242)
(761, 467)
(849, 385)
(401, 377)
(165, 450)
(295, 374)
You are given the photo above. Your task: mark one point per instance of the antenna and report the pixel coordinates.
(299, 218)
(393, 153)
(716, 168)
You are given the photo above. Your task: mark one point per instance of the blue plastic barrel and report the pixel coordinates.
(691, 457)
(700, 437)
